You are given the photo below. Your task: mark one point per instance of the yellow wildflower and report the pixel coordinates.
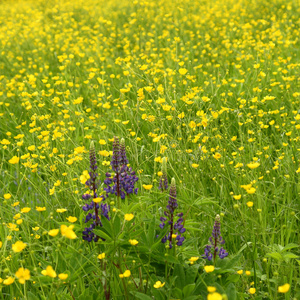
(159, 284)
(101, 256)
(72, 219)
(9, 280)
(68, 232)
(14, 160)
(133, 242)
(53, 232)
(49, 272)
(209, 269)
(284, 288)
(23, 275)
(63, 276)
(147, 186)
(18, 246)
(129, 217)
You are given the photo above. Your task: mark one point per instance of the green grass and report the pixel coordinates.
(212, 86)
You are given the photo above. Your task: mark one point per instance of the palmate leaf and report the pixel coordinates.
(275, 255)
(289, 246)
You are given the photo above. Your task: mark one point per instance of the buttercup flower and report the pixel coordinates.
(49, 272)
(284, 288)
(23, 275)
(158, 284)
(18, 246)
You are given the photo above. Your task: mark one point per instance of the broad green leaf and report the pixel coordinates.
(116, 225)
(141, 296)
(188, 289)
(102, 234)
(151, 232)
(180, 276)
(231, 292)
(233, 278)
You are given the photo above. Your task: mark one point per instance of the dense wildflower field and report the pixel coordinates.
(150, 149)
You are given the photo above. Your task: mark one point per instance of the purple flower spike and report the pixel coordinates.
(124, 179)
(176, 228)
(103, 210)
(211, 251)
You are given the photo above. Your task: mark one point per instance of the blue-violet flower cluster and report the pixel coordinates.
(211, 251)
(176, 228)
(123, 181)
(103, 209)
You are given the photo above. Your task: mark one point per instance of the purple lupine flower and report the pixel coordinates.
(124, 179)
(211, 251)
(98, 210)
(123, 157)
(177, 227)
(163, 182)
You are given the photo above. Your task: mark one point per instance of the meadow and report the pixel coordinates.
(150, 149)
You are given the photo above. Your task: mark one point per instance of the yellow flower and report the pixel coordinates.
(237, 197)
(127, 273)
(8, 280)
(14, 160)
(25, 209)
(249, 203)
(68, 232)
(284, 288)
(195, 166)
(159, 284)
(129, 217)
(217, 156)
(49, 272)
(133, 242)
(248, 273)
(181, 116)
(18, 246)
(253, 165)
(192, 124)
(72, 219)
(101, 256)
(147, 186)
(211, 289)
(251, 190)
(209, 269)
(102, 142)
(182, 71)
(53, 232)
(240, 272)
(40, 208)
(63, 276)
(214, 296)
(31, 148)
(1, 244)
(23, 275)
(7, 196)
(61, 210)
(193, 259)
(252, 291)
(84, 177)
(104, 153)
(97, 200)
